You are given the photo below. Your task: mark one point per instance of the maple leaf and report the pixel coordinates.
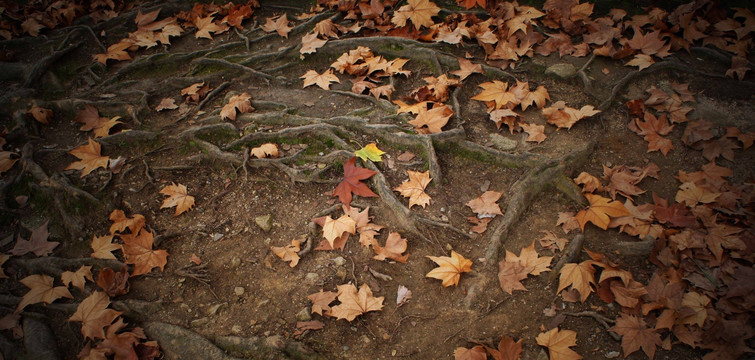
(237, 14)
(367, 230)
(431, 121)
(3, 259)
(288, 252)
(41, 290)
(321, 301)
(116, 51)
(355, 303)
(94, 315)
(589, 183)
(178, 197)
(739, 67)
(310, 43)
(166, 104)
(535, 133)
(40, 114)
(468, 4)
(302, 326)
(114, 283)
(691, 195)
(449, 268)
(311, 77)
(7, 159)
(370, 151)
(385, 90)
(634, 335)
(475, 353)
(599, 211)
(137, 248)
(121, 344)
(334, 229)
(642, 61)
(694, 309)
(486, 204)
(558, 343)
(419, 12)
(89, 158)
(394, 246)
(510, 275)
(237, 102)
(78, 278)
(265, 150)
(579, 276)
(480, 225)
(279, 25)
(414, 188)
(528, 258)
(508, 349)
(565, 117)
(550, 241)
(467, 68)
(496, 91)
(205, 26)
(121, 222)
(195, 92)
(352, 184)
(36, 244)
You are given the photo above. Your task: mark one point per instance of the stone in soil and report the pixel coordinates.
(265, 222)
(561, 70)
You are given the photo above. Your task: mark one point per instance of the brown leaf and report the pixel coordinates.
(565, 117)
(486, 204)
(103, 247)
(642, 61)
(94, 315)
(321, 301)
(334, 229)
(178, 197)
(431, 121)
(551, 241)
(166, 104)
(466, 68)
(394, 246)
(137, 248)
(558, 343)
(114, 283)
(529, 258)
(7, 159)
(195, 92)
(580, 276)
(288, 252)
(414, 188)
(302, 326)
(420, 12)
(89, 158)
(600, 211)
(475, 353)
(589, 183)
(691, 195)
(237, 102)
(206, 26)
(40, 114)
(36, 244)
(508, 349)
(634, 335)
(265, 150)
(41, 290)
(121, 222)
(311, 77)
(535, 133)
(310, 43)
(279, 25)
(355, 303)
(510, 275)
(78, 278)
(480, 225)
(449, 269)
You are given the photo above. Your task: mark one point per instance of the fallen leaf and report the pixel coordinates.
(310, 43)
(691, 195)
(510, 275)
(475, 353)
(480, 225)
(600, 211)
(114, 283)
(355, 303)
(265, 150)
(279, 25)
(7, 159)
(40, 114)
(103, 247)
(565, 117)
(431, 121)
(449, 268)
(589, 183)
(36, 244)
(535, 133)
(486, 204)
(420, 12)
(41, 290)
(385, 90)
(370, 151)
(116, 51)
(311, 77)
(178, 197)
(121, 222)
(89, 158)
(321, 301)
(394, 246)
(206, 26)
(121, 343)
(635, 335)
(302, 326)
(352, 184)
(237, 102)
(195, 259)
(529, 258)
(78, 278)
(467, 68)
(288, 252)
(642, 61)
(558, 343)
(94, 315)
(508, 349)
(137, 248)
(495, 91)
(166, 104)
(567, 221)
(414, 188)
(580, 276)
(403, 294)
(3, 259)
(195, 92)
(334, 229)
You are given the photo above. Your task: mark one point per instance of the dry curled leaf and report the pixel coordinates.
(89, 158)
(394, 246)
(41, 289)
(94, 314)
(239, 102)
(265, 150)
(137, 248)
(558, 343)
(323, 80)
(77, 278)
(288, 253)
(355, 303)
(414, 188)
(321, 301)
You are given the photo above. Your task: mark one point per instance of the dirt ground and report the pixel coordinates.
(249, 292)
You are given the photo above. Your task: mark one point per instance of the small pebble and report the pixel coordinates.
(236, 329)
(312, 278)
(304, 315)
(238, 291)
(339, 261)
(235, 262)
(612, 354)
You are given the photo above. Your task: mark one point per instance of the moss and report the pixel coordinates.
(459, 151)
(219, 136)
(203, 70)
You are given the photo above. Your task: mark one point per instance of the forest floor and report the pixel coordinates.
(222, 281)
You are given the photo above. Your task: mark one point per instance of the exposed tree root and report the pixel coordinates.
(54, 266)
(56, 182)
(42, 65)
(248, 70)
(570, 254)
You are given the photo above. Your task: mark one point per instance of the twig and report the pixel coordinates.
(600, 319)
(212, 94)
(353, 266)
(146, 172)
(448, 338)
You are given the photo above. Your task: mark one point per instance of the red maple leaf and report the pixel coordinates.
(352, 184)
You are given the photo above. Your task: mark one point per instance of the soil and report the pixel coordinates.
(222, 232)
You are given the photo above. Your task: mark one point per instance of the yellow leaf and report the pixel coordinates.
(90, 158)
(371, 152)
(558, 343)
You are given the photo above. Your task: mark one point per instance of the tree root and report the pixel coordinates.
(226, 63)
(570, 254)
(56, 182)
(383, 104)
(54, 266)
(42, 65)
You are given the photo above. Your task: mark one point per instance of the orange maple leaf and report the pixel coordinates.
(475, 353)
(535, 133)
(420, 12)
(558, 343)
(311, 77)
(77, 278)
(137, 248)
(321, 301)
(116, 51)
(41, 289)
(394, 246)
(508, 349)
(89, 158)
(121, 222)
(352, 182)
(288, 252)
(467, 68)
(237, 102)
(103, 247)
(279, 25)
(431, 121)
(178, 197)
(449, 268)
(635, 335)
(565, 117)
(334, 229)
(310, 43)
(600, 211)
(206, 26)
(486, 204)
(355, 303)
(40, 114)
(265, 150)
(414, 188)
(94, 315)
(580, 276)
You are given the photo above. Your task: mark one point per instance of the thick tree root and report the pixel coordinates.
(54, 266)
